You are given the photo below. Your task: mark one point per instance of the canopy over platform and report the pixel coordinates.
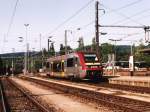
(147, 51)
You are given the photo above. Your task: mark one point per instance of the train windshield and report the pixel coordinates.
(141, 64)
(90, 58)
(123, 64)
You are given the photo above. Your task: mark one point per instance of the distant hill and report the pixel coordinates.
(17, 54)
(12, 54)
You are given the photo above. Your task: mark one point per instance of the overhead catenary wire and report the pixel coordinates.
(133, 27)
(130, 4)
(123, 15)
(10, 24)
(72, 16)
(125, 26)
(146, 28)
(127, 18)
(136, 14)
(12, 17)
(85, 26)
(123, 33)
(125, 6)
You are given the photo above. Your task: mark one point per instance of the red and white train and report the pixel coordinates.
(78, 65)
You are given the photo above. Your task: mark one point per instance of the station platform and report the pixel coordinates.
(142, 81)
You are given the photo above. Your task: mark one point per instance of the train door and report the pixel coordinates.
(48, 68)
(76, 67)
(62, 68)
(51, 66)
(70, 67)
(65, 66)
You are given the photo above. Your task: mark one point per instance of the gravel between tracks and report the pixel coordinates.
(63, 102)
(107, 89)
(121, 103)
(17, 101)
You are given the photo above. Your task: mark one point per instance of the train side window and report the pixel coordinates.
(47, 65)
(76, 61)
(65, 63)
(51, 66)
(57, 66)
(70, 62)
(62, 66)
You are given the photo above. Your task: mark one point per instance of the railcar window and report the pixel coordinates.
(141, 64)
(76, 60)
(57, 66)
(62, 68)
(47, 65)
(122, 64)
(70, 62)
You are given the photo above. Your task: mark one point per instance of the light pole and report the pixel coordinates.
(21, 39)
(26, 52)
(12, 64)
(114, 56)
(115, 40)
(32, 61)
(6, 68)
(66, 50)
(40, 40)
(49, 41)
(131, 58)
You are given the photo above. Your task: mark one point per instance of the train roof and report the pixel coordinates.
(64, 57)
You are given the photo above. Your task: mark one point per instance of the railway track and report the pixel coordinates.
(119, 103)
(135, 89)
(16, 99)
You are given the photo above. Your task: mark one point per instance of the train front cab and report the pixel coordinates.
(91, 65)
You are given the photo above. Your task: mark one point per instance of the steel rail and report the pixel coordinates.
(94, 95)
(2, 98)
(41, 107)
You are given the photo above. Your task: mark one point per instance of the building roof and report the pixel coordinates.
(147, 50)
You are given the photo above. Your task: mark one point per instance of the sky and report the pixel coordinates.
(46, 18)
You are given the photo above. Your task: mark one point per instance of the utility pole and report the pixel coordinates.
(40, 41)
(48, 44)
(42, 59)
(12, 64)
(98, 51)
(26, 53)
(114, 56)
(6, 68)
(28, 58)
(66, 47)
(49, 41)
(41, 50)
(65, 42)
(131, 61)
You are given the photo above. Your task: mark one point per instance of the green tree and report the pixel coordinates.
(105, 50)
(69, 49)
(62, 49)
(139, 56)
(81, 44)
(93, 44)
(52, 50)
(122, 52)
(1, 67)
